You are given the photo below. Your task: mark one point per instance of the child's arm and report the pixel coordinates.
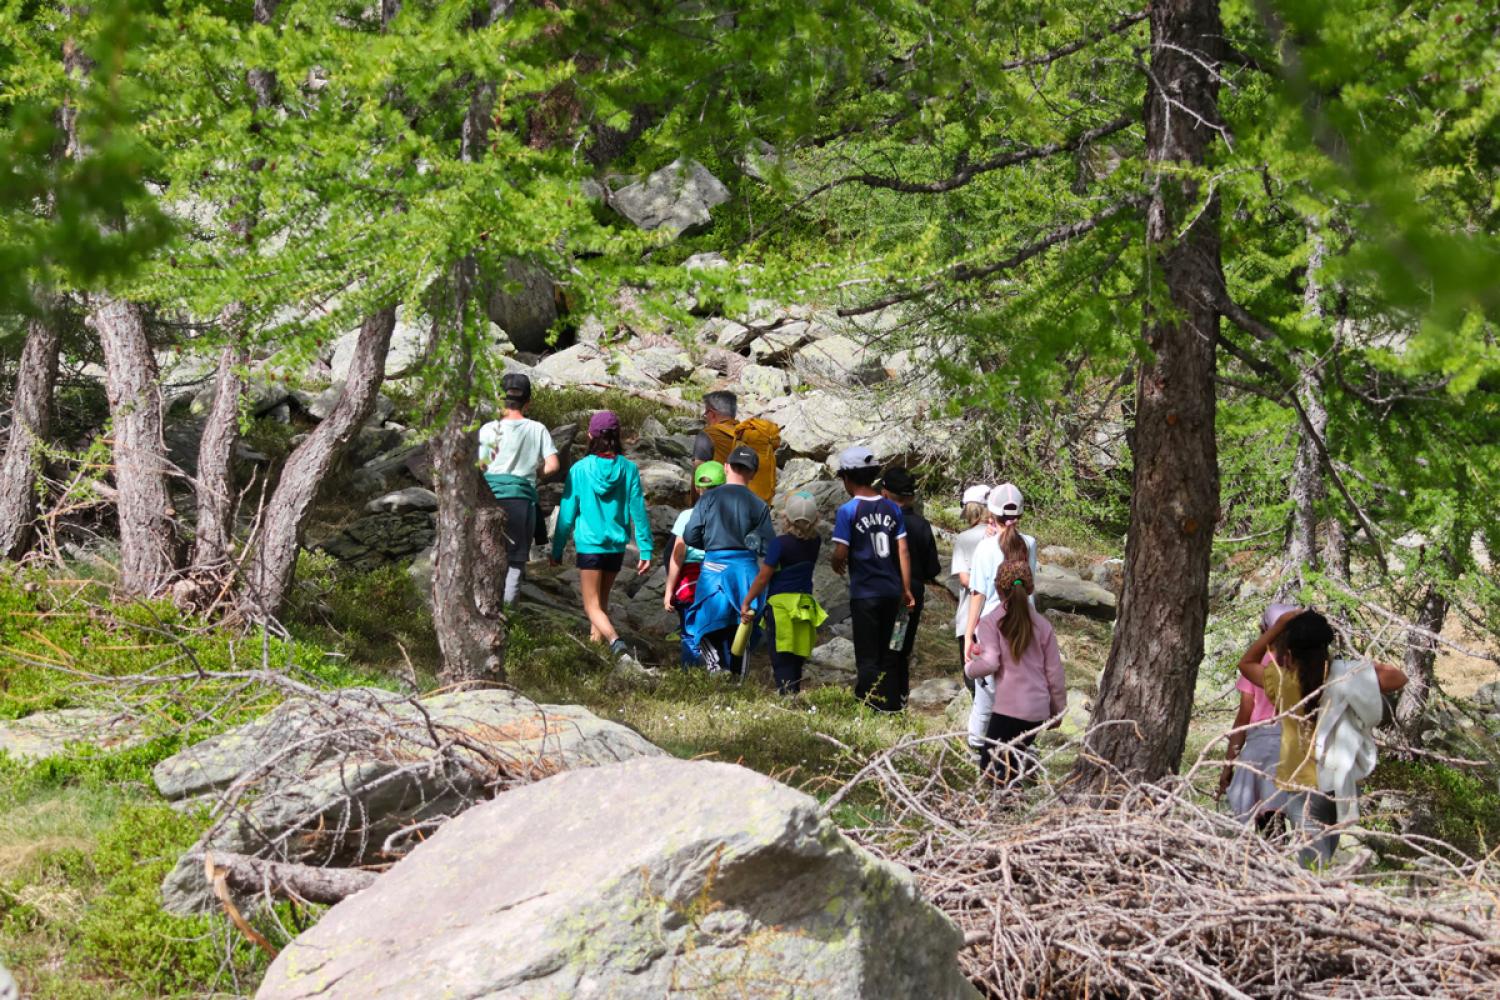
(757, 587)
(1236, 742)
(1250, 665)
(840, 558)
(674, 569)
(904, 551)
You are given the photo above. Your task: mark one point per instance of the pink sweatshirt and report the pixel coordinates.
(1030, 687)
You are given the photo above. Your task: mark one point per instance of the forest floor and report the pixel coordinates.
(85, 841)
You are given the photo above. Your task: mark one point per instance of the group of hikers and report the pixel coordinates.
(1301, 740)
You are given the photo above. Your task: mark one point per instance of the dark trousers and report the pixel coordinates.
(1008, 763)
(968, 681)
(880, 673)
(716, 654)
(785, 667)
(520, 526)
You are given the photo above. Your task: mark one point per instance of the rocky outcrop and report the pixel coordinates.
(648, 879)
(333, 780)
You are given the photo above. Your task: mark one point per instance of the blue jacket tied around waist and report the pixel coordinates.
(722, 586)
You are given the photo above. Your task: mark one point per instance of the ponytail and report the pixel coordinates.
(1014, 585)
(1307, 638)
(1013, 546)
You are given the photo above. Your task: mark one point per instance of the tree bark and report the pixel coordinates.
(467, 596)
(1145, 699)
(215, 488)
(1309, 489)
(215, 481)
(30, 423)
(249, 876)
(1418, 662)
(148, 543)
(269, 571)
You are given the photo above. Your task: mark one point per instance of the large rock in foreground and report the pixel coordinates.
(649, 879)
(336, 781)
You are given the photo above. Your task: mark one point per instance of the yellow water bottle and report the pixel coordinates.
(741, 639)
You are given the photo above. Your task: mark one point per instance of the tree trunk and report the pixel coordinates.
(1418, 662)
(279, 535)
(148, 543)
(215, 481)
(1146, 695)
(1309, 489)
(215, 487)
(467, 598)
(30, 423)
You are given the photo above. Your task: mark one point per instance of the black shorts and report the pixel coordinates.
(606, 562)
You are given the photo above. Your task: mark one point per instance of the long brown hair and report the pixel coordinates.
(1012, 545)
(1014, 585)
(1305, 640)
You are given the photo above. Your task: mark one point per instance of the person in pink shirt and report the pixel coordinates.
(1015, 654)
(1249, 775)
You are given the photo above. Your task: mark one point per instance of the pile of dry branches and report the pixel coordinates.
(1153, 895)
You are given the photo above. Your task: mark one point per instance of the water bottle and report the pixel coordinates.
(898, 634)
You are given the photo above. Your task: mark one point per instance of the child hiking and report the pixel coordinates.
(733, 528)
(1328, 711)
(786, 578)
(1015, 655)
(980, 526)
(900, 487)
(869, 544)
(1005, 504)
(1249, 775)
(512, 450)
(686, 562)
(601, 503)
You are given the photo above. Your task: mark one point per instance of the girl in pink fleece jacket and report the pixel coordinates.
(1015, 655)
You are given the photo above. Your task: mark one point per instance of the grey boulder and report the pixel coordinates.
(676, 198)
(1061, 590)
(401, 501)
(648, 879)
(331, 780)
(47, 734)
(839, 360)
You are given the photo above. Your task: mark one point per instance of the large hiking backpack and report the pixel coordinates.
(762, 437)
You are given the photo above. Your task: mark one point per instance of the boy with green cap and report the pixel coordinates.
(685, 562)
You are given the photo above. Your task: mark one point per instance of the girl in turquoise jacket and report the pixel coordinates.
(601, 503)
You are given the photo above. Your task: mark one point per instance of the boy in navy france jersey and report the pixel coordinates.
(869, 543)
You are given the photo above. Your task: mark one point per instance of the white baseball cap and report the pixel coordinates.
(1005, 500)
(977, 494)
(857, 457)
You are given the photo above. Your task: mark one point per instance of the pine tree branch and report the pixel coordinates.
(1124, 24)
(963, 176)
(973, 272)
(1284, 394)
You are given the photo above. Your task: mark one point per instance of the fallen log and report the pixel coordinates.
(248, 876)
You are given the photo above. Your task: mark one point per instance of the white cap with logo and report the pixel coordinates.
(1005, 500)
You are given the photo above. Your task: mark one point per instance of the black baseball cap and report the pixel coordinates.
(899, 481)
(517, 388)
(745, 457)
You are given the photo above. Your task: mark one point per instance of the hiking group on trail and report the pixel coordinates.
(740, 576)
